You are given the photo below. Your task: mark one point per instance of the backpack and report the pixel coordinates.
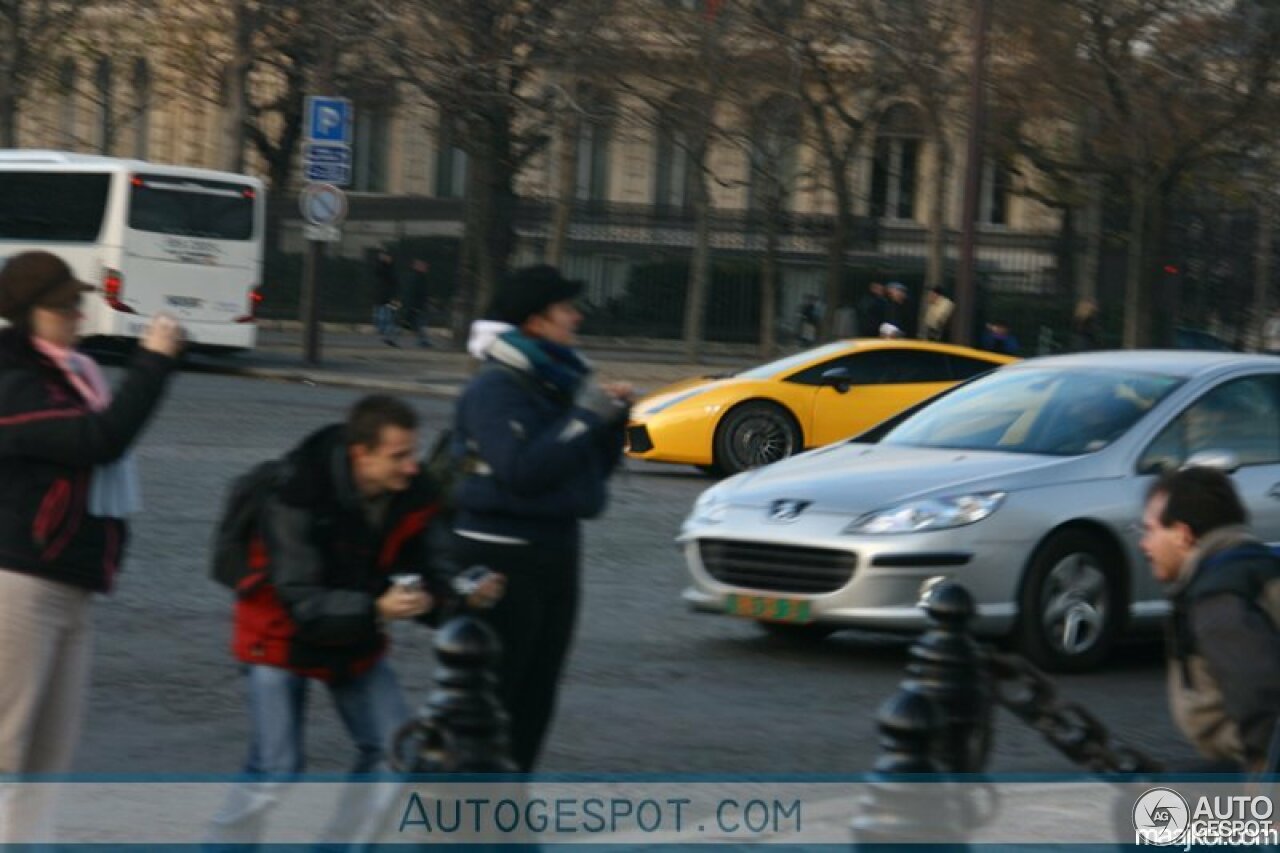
(239, 560)
(443, 469)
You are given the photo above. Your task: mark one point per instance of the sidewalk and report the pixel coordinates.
(355, 357)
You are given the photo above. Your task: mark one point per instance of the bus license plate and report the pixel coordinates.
(767, 608)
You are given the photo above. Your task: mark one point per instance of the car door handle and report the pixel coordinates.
(1274, 491)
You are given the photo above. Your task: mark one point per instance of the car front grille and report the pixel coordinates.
(777, 568)
(638, 440)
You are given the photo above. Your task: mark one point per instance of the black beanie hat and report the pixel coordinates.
(529, 291)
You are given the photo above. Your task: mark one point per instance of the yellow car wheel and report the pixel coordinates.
(753, 434)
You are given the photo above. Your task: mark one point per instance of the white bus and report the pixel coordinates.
(152, 238)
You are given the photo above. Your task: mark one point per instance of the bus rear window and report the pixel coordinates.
(58, 206)
(192, 208)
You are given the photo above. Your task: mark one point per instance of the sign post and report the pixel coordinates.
(326, 161)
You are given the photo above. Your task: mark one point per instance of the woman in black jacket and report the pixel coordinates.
(66, 488)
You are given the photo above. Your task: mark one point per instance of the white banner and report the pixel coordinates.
(639, 811)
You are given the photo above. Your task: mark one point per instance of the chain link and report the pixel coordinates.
(1075, 732)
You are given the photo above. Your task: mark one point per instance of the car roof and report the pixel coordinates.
(1183, 363)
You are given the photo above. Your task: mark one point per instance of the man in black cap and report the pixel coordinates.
(537, 439)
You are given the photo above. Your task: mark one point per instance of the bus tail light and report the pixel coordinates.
(255, 299)
(113, 291)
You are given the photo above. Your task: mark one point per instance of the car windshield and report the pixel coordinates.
(1045, 411)
(791, 362)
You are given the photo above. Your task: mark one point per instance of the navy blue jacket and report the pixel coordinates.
(534, 463)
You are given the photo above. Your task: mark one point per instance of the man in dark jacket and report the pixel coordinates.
(415, 300)
(386, 296)
(345, 535)
(538, 439)
(1224, 649)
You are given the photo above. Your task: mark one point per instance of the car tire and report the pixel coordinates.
(792, 632)
(755, 434)
(1071, 605)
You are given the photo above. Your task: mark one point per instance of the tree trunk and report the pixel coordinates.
(935, 269)
(236, 86)
(8, 109)
(488, 227)
(769, 271)
(837, 245)
(566, 184)
(1089, 233)
(1135, 319)
(700, 264)
(1262, 272)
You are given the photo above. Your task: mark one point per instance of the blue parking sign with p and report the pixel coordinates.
(328, 119)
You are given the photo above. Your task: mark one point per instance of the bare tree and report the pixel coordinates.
(31, 32)
(482, 64)
(1164, 86)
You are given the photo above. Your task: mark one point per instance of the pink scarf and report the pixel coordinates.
(114, 491)
(81, 371)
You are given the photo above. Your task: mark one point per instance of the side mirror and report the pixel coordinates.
(1223, 460)
(838, 378)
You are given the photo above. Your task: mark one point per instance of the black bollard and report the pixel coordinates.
(462, 727)
(892, 809)
(946, 665)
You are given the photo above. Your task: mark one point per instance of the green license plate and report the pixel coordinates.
(767, 608)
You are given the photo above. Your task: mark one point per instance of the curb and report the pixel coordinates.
(337, 380)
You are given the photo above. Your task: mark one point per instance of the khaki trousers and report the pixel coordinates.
(46, 643)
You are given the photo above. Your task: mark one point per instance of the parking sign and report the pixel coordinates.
(328, 119)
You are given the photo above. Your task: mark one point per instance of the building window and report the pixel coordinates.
(895, 168)
(671, 190)
(674, 175)
(142, 107)
(67, 105)
(102, 79)
(371, 149)
(775, 143)
(451, 161)
(997, 184)
(595, 138)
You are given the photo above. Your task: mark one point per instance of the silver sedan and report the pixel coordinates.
(1026, 485)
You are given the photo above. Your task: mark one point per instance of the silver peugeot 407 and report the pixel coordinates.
(1025, 485)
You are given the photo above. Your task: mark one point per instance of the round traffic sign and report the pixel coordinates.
(323, 204)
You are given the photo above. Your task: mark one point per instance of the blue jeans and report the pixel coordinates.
(371, 707)
(384, 320)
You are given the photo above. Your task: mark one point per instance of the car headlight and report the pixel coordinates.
(929, 514)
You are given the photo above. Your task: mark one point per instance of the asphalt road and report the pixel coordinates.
(651, 687)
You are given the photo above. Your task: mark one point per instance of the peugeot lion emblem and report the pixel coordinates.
(787, 510)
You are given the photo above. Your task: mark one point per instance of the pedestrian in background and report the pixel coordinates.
(937, 314)
(998, 337)
(415, 301)
(386, 294)
(897, 320)
(1085, 331)
(1224, 632)
(871, 311)
(69, 483)
(536, 439)
(808, 321)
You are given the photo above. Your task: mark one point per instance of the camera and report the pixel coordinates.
(407, 581)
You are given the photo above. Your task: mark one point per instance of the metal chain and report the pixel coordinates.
(1029, 694)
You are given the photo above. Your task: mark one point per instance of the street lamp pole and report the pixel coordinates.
(966, 284)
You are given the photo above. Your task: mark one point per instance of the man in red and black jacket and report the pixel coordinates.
(353, 515)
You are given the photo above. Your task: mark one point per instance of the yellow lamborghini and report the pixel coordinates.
(728, 424)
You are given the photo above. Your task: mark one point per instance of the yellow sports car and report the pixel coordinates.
(728, 424)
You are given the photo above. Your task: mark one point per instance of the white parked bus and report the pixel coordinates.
(152, 238)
